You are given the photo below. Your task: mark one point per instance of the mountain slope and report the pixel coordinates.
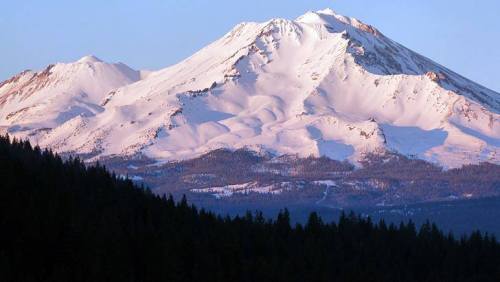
(322, 84)
(35, 102)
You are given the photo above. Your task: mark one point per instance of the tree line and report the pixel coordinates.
(61, 220)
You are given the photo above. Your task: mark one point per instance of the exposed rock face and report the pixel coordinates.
(436, 77)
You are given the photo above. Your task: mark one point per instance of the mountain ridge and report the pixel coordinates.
(322, 84)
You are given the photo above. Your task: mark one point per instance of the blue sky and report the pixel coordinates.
(152, 34)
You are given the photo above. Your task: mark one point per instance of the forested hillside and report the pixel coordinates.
(63, 221)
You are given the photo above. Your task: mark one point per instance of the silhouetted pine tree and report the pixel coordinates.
(63, 221)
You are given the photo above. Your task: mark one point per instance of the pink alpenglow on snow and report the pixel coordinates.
(323, 84)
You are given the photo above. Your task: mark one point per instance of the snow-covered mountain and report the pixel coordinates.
(33, 103)
(322, 84)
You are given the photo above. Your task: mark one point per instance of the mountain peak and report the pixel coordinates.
(330, 18)
(324, 17)
(89, 59)
(323, 85)
(327, 11)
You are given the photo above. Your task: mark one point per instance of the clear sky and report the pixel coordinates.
(463, 35)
